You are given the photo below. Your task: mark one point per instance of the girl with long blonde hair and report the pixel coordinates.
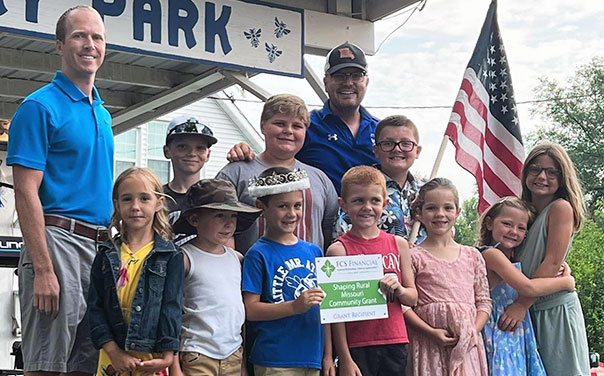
(135, 298)
(551, 185)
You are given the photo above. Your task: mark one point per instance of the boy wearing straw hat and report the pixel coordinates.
(211, 340)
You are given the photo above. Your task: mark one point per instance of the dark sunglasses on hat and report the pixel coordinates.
(190, 126)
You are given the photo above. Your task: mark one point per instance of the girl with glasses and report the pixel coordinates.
(550, 184)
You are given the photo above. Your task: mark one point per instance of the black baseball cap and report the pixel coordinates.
(344, 56)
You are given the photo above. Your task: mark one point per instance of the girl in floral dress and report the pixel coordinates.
(502, 228)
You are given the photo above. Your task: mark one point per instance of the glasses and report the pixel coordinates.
(551, 173)
(387, 146)
(191, 126)
(343, 77)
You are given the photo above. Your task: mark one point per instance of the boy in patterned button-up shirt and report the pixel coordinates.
(397, 147)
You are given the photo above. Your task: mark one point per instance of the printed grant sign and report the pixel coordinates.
(351, 284)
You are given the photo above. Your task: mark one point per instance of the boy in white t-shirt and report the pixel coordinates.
(213, 310)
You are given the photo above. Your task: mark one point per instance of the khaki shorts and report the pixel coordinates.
(274, 371)
(62, 343)
(196, 364)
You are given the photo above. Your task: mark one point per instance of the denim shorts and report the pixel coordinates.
(61, 343)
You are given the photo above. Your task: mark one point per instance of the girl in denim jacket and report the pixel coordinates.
(135, 298)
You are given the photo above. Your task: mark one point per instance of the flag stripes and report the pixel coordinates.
(484, 123)
(490, 153)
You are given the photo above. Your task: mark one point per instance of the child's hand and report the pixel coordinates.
(328, 368)
(565, 273)
(391, 287)
(512, 317)
(444, 338)
(243, 369)
(175, 369)
(570, 284)
(348, 368)
(308, 299)
(123, 362)
(564, 270)
(150, 367)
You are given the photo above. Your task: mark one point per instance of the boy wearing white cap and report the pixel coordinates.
(188, 142)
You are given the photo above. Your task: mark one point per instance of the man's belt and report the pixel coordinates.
(99, 234)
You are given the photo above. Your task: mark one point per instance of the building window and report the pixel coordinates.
(121, 166)
(161, 169)
(125, 150)
(156, 137)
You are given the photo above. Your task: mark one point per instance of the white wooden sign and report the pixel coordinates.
(252, 36)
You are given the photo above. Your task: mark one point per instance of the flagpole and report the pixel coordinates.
(439, 157)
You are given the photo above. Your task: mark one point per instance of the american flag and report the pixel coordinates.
(484, 124)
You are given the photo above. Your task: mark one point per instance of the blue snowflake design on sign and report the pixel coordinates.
(253, 36)
(281, 29)
(273, 52)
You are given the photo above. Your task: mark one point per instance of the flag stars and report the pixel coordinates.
(493, 80)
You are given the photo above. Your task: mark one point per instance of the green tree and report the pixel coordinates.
(586, 261)
(598, 218)
(466, 224)
(574, 115)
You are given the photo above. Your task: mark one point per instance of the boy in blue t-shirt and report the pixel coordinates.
(279, 282)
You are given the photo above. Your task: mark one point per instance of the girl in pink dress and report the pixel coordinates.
(453, 293)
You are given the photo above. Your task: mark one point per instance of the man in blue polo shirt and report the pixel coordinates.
(342, 133)
(61, 150)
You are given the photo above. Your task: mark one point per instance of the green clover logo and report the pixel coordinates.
(328, 268)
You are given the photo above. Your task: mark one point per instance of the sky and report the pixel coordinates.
(422, 65)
